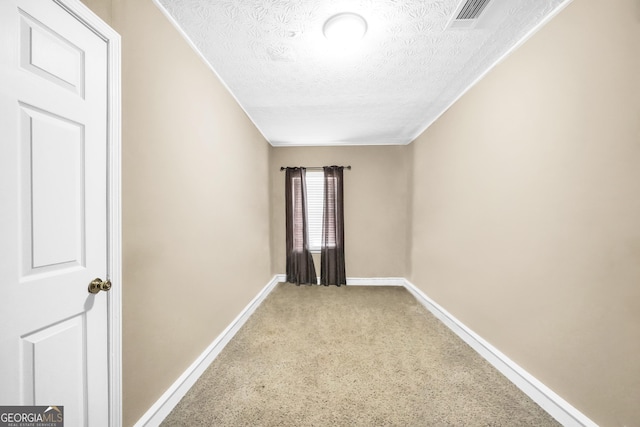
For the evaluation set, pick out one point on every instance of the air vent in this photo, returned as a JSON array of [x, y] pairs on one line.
[[472, 9], [467, 14]]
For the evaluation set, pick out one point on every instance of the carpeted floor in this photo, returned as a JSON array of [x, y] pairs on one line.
[[351, 356]]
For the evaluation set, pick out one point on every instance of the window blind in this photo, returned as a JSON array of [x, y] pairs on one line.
[[315, 203]]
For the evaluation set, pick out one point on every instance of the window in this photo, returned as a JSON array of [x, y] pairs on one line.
[[315, 203], [320, 230], [298, 244]]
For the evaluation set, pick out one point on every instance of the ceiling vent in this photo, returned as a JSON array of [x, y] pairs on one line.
[[467, 13]]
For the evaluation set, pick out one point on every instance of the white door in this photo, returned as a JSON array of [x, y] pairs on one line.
[[53, 211]]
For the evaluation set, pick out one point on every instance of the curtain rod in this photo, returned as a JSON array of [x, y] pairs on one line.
[[316, 167]]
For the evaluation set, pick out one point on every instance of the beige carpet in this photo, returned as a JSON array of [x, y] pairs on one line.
[[351, 356]]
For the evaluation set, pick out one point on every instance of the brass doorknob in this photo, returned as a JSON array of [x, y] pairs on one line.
[[98, 285]]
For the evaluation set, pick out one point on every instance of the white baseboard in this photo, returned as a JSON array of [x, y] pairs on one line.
[[368, 281], [557, 407], [375, 281], [163, 406]]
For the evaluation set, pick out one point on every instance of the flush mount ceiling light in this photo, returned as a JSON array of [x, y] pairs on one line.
[[345, 27]]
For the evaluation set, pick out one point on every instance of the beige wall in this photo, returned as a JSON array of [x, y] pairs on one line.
[[527, 208], [195, 204], [377, 214]]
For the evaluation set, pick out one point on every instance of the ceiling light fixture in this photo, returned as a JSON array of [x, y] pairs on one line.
[[345, 27]]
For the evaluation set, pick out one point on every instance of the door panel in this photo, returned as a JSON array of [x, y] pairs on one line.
[[53, 177], [46, 53], [49, 373], [53, 215]]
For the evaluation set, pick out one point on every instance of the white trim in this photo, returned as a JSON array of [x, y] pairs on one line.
[[366, 281], [163, 406], [375, 281], [557, 407], [114, 234]]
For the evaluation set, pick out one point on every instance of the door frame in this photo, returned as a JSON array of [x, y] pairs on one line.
[[114, 217]]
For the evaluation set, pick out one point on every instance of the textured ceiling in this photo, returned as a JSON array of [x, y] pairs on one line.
[[300, 89]]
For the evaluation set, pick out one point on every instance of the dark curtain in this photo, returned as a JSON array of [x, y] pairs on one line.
[[300, 268], [332, 271]]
